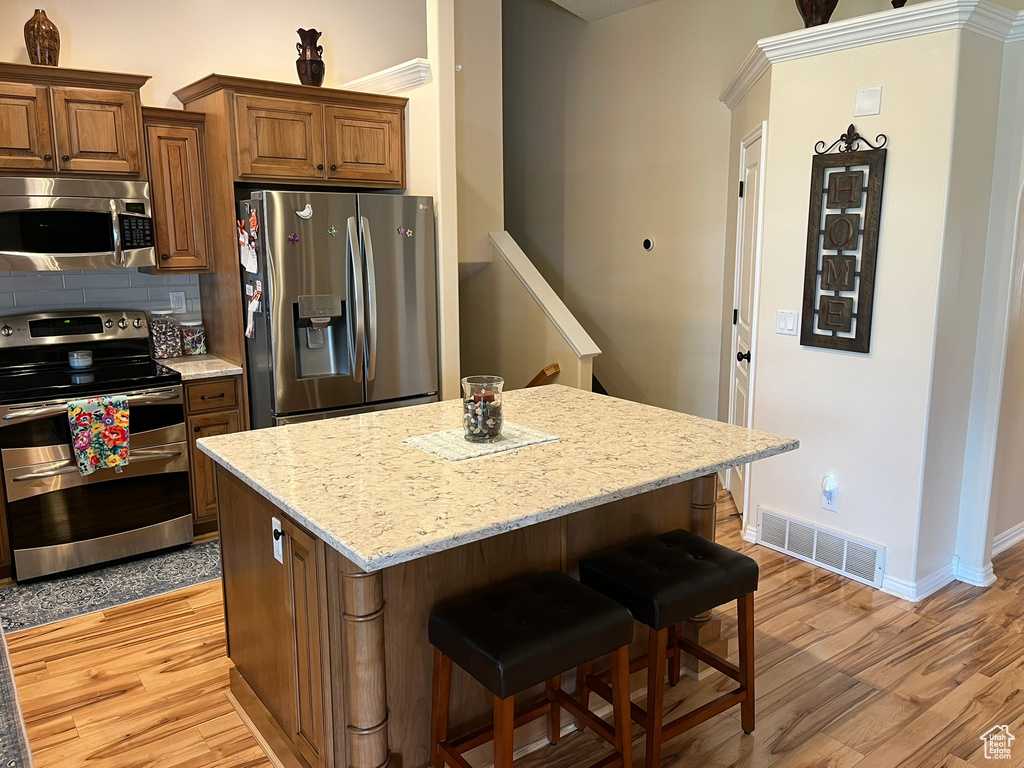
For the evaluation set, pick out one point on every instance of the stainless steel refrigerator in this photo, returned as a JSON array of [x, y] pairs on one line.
[[340, 292]]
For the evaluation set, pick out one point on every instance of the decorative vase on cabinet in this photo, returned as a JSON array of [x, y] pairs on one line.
[[310, 63], [816, 12], [42, 39]]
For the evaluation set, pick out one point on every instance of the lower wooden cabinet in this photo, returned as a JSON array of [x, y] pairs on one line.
[[201, 422]]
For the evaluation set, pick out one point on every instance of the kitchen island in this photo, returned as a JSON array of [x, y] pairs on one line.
[[329, 637]]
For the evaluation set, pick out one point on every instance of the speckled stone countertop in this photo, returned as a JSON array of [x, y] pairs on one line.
[[194, 367], [380, 502]]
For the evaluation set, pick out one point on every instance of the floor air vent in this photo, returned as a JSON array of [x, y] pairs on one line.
[[857, 559]]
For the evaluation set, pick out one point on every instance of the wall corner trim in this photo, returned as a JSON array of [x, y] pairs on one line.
[[969, 574], [916, 591], [400, 77], [983, 17]]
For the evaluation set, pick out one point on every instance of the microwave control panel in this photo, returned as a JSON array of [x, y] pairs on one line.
[[136, 232]]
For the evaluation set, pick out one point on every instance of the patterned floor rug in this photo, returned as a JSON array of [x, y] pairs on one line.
[[24, 606]]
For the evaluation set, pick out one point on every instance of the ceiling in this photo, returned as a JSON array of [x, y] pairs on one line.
[[592, 10]]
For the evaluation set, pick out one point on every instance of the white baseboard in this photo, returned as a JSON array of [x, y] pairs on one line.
[[1008, 539], [969, 574], [916, 591], [750, 533]]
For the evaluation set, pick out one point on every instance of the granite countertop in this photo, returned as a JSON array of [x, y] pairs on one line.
[[193, 367], [381, 502]]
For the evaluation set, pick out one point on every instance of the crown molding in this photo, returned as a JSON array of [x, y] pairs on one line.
[[755, 65], [982, 17], [400, 77]]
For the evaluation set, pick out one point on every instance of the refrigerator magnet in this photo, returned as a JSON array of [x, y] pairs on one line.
[[293, 238], [332, 231], [305, 213]]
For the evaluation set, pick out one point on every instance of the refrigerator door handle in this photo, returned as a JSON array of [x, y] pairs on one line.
[[356, 314], [371, 282]]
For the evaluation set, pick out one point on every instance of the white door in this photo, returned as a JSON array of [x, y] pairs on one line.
[[744, 335]]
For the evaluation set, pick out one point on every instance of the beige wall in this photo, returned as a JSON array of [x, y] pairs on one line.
[[181, 42], [614, 132], [478, 126]]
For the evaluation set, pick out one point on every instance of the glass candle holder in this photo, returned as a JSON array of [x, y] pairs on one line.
[[481, 408]]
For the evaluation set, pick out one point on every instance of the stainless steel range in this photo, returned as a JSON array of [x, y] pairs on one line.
[[57, 519]]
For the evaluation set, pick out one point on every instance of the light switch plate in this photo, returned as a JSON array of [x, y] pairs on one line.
[[786, 322], [275, 526], [869, 102]]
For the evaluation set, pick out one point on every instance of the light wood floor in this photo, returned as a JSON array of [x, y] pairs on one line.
[[846, 676]]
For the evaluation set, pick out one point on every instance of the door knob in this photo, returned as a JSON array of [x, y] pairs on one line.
[[65, 158], [741, 356], [278, 534]]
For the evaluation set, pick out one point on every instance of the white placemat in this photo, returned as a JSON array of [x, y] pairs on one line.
[[452, 445]]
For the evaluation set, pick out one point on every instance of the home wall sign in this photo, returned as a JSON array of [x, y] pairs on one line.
[[842, 242]]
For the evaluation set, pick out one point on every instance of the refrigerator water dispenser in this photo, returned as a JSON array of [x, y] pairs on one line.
[[321, 337]]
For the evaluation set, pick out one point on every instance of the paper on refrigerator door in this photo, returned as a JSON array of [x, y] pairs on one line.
[[246, 252]]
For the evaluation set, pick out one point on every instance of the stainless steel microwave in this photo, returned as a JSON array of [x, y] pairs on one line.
[[61, 224]]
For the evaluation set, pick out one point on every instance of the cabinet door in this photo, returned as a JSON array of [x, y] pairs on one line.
[[177, 177], [96, 131], [366, 145], [25, 139], [279, 138], [204, 479], [304, 581]]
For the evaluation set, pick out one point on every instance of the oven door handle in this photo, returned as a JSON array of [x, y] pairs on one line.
[[143, 398], [70, 466]]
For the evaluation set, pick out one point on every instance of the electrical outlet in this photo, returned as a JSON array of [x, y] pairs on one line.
[[178, 301], [830, 494], [278, 535]]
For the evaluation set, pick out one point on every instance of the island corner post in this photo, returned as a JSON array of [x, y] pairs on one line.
[[356, 692]]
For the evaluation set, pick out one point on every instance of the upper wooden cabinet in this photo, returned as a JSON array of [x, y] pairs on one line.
[[69, 121], [96, 130], [175, 146], [367, 145], [279, 138], [277, 131], [26, 142]]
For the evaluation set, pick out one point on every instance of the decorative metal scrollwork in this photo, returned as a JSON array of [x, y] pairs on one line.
[[850, 142]]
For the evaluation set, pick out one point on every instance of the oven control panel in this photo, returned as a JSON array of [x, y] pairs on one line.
[[67, 327], [136, 232]]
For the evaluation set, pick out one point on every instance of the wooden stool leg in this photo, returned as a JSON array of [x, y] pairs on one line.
[[674, 656], [656, 653], [439, 706], [504, 730], [555, 713], [745, 620], [582, 690], [620, 705]]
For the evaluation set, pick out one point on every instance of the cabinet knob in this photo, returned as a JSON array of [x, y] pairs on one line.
[[65, 158], [334, 167], [165, 257], [320, 167], [47, 158], [197, 429]]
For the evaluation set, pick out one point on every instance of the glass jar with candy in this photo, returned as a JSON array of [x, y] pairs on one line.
[[481, 408]]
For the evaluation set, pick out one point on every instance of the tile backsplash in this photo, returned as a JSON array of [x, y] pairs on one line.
[[26, 292]]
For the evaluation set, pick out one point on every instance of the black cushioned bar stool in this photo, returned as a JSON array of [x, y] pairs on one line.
[[518, 635], [663, 581]]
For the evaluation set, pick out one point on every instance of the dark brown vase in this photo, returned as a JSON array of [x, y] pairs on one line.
[[898, 3], [310, 64], [42, 39], [816, 12]]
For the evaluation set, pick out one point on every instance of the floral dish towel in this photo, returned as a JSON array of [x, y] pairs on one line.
[[99, 433]]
